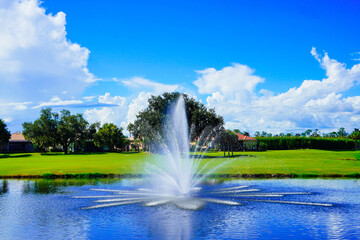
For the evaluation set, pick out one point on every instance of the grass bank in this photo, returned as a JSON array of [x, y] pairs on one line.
[[285, 163]]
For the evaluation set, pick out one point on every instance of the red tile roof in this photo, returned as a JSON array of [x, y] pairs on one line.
[[245, 138]]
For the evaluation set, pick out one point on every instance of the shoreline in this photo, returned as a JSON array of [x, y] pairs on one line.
[[129, 175]]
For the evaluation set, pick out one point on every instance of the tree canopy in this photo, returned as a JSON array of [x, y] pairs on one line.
[[4, 133], [52, 129], [109, 135], [71, 129], [43, 131], [149, 122]]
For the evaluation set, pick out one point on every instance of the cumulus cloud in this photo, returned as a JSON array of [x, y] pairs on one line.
[[237, 81], [136, 105], [314, 104], [118, 100], [106, 115], [122, 112], [37, 60], [114, 113]]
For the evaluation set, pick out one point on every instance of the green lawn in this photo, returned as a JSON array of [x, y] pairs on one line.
[[318, 162]]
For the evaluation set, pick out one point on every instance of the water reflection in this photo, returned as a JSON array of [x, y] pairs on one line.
[[4, 188], [168, 222], [44, 209], [48, 186]]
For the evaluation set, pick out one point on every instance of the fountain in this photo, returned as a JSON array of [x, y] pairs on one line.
[[177, 172], [176, 177]]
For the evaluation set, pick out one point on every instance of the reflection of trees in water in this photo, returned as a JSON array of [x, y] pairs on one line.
[[167, 222], [40, 187], [170, 222], [4, 187], [49, 186]]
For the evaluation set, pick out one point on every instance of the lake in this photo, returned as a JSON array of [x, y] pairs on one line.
[[46, 209]]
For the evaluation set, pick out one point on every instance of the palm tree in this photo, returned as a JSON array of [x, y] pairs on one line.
[[308, 132], [355, 135]]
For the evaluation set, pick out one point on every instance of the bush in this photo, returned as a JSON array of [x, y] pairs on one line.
[[288, 143], [262, 146]]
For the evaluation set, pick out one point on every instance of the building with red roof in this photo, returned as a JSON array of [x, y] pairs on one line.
[[244, 137], [246, 142]]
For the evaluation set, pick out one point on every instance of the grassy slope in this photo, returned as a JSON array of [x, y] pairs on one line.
[[283, 162]]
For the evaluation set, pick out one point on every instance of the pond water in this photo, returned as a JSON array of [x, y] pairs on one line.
[[46, 209]]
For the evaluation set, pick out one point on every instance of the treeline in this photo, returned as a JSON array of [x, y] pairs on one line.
[[311, 139], [340, 133], [61, 131], [289, 143]]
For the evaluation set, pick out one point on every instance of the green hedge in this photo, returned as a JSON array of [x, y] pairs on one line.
[[287, 143]]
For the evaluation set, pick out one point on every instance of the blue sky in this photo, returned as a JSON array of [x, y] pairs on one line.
[[242, 58]]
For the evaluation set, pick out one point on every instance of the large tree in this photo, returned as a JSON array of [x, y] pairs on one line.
[[43, 131], [109, 135], [71, 129], [52, 129], [4, 133], [149, 122], [227, 140]]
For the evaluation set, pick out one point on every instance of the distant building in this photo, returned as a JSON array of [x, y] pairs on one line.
[[244, 143], [18, 143], [247, 142], [134, 144]]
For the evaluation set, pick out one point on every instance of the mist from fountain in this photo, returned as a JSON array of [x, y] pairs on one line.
[[175, 171]]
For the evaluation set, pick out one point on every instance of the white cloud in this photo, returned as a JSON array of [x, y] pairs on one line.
[[57, 102], [8, 120], [237, 81], [20, 107], [314, 104], [124, 110], [127, 108], [122, 113], [136, 105], [10, 110], [118, 100], [155, 87], [105, 115], [16, 106], [37, 60], [89, 98], [113, 114]]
